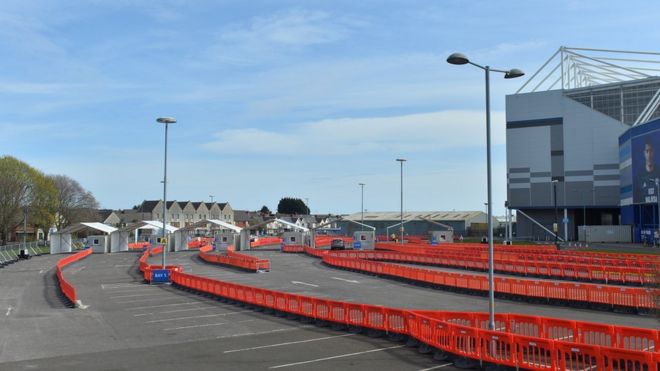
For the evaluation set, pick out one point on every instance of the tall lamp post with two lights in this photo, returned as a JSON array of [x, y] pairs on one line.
[[460, 59], [167, 121]]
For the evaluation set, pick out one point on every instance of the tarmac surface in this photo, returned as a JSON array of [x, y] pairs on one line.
[[305, 275], [124, 324]]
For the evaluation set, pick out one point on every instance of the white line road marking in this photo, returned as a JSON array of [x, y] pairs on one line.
[[345, 280], [194, 326], [121, 285], [163, 297], [41, 271], [163, 305], [286, 329], [134, 295], [123, 265], [339, 356], [288, 343], [195, 317], [79, 304], [304, 283], [8, 311], [175, 311], [433, 368]]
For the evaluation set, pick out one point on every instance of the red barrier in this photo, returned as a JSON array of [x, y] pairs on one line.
[[67, 289], [265, 241], [235, 259], [138, 245], [293, 248]]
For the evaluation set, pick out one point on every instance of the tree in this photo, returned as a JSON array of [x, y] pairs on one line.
[[23, 188], [265, 210], [288, 205], [74, 203]]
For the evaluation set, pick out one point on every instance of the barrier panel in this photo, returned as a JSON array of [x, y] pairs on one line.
[[265, 241], [234, 259], [67, 289], [138, 245], [293, 248]]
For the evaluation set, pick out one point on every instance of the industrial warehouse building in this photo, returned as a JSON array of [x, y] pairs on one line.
[[465, 223], [562, 133]]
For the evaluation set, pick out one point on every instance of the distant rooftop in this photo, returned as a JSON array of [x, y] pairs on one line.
[[432, 215]]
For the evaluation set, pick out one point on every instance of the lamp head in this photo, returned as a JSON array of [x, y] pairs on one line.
[[513, 73], [458, 58], [166, 120]]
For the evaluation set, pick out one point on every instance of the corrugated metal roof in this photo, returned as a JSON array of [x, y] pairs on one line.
[[432, 215]]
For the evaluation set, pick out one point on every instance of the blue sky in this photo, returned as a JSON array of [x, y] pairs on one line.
[[281, 98]]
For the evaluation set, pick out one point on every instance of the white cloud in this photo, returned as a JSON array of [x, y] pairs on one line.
[[347, 136], [265, 37]]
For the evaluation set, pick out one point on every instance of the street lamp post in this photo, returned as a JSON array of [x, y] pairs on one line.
[[460, 59], [556, 226], [167, 121], [401, 161], [362, 206]]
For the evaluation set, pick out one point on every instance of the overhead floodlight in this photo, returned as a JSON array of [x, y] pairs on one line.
[[166, 120]]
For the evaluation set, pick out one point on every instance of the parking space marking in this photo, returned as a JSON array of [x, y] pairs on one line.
[[288, 343], [304, 283], [175, 311], [277, 330], [163, 305], [163, 297], [435, 367], [8, 311], [336, 357], [195, 326], [134, 295], [344, 279], [195, 317]]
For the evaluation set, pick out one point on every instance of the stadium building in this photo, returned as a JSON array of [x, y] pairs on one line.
[[575, 129]]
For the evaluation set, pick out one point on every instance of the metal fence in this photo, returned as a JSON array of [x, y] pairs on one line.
[[10, 253]]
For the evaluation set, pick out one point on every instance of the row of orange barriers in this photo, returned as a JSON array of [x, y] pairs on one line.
[[67, 289], [138, 245], [265, 241], [234, 259], [293, 248], [566, 271], [531, 254], [521, 341], [640, 299]]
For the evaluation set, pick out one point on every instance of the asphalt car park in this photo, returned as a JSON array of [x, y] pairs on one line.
[[123, 323]]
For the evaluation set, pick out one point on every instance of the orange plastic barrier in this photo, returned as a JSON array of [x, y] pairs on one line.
[[326, 240], [265, 241], [640, 299], [67, 289], [582, 269], [530, 342], [533, 251], [235, 259], [138, 245], [293, 248]]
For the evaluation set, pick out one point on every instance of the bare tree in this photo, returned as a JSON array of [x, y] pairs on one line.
[[74, 203]]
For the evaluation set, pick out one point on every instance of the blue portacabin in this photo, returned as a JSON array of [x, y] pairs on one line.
[[160, 276]]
